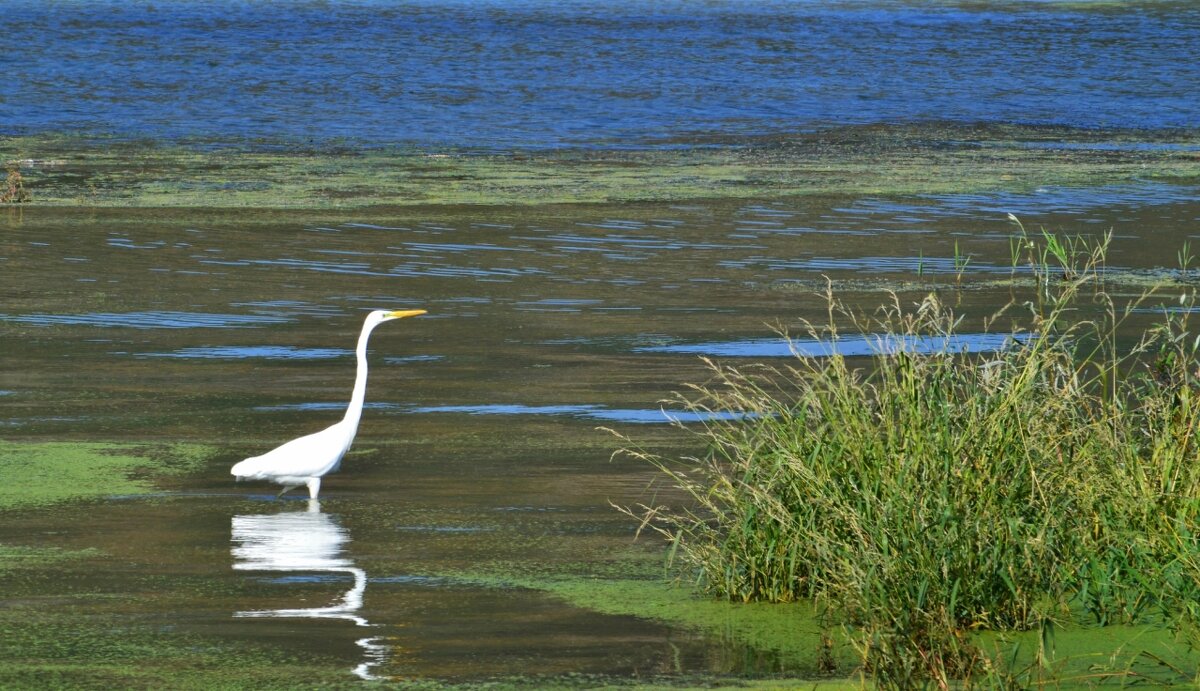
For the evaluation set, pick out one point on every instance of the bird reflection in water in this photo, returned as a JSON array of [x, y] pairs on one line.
[[310, 542]]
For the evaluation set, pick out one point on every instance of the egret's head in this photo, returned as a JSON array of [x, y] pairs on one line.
[[379, 316]]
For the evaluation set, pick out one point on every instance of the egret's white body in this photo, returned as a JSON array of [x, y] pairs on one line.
[[306, 460]]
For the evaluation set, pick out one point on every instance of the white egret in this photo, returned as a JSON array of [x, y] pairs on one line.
[[306, 460]]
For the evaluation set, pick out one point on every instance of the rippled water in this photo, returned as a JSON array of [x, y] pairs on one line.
[[848, 346], [147, 320], [532, 73], [265, 352], [479, 444]]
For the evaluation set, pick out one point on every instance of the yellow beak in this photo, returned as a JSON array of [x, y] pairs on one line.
[[400, 314]]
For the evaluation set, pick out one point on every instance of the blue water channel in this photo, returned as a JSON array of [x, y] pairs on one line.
[[534, 73]]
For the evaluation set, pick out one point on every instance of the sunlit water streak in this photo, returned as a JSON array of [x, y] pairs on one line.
[[243, 352], [917, 266], [579, 412], [848, 346], [274, 352], [589, 412]]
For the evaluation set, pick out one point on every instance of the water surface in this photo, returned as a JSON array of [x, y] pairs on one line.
[[479, 447], [532, 74], [480, 465]]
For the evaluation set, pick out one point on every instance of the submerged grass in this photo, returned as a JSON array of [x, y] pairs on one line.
[[790, 634], [928, 497], [19, 558], [862, 160], [48, 645]]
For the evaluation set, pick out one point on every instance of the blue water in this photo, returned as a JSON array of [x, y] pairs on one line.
[[579, 411], [522, 73], [268, 352], [848, 346]]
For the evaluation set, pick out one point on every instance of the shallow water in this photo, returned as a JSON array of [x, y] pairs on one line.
[[478, 450], [531, 74]]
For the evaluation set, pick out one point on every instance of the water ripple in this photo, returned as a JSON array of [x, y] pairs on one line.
[[588, 412], [548, 74], [148, 320], [245, 352], [579, 412], [848, 346]]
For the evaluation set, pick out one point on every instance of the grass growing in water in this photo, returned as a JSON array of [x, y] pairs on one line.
[[931, 496]]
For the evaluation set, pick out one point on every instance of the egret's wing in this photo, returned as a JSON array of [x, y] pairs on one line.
[[308, 456]]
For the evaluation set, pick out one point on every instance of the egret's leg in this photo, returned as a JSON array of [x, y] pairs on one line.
[[314, 487], [285, 490]]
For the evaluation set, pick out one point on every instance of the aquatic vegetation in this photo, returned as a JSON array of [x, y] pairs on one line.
[[14, 191], [14, 557], [38, 474], [66, 646], [924, 497], [918, 159], [792, 633]]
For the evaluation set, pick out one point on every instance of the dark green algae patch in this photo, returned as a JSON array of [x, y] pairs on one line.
[[872, 160]]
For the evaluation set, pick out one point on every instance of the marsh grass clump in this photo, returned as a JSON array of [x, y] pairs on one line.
[[933, 493], [14, 191]]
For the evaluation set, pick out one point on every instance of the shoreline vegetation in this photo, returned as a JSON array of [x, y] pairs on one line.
[[933, 504], [85, 171]]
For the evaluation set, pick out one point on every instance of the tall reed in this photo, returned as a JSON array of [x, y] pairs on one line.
[[933, 492]]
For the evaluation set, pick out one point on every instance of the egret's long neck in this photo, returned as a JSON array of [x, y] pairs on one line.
[[354, 410]]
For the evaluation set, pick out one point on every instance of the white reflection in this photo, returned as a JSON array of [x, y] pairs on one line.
[[309, 542]]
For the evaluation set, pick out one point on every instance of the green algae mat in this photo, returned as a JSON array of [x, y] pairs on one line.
[[864, 160], [37, 474]]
